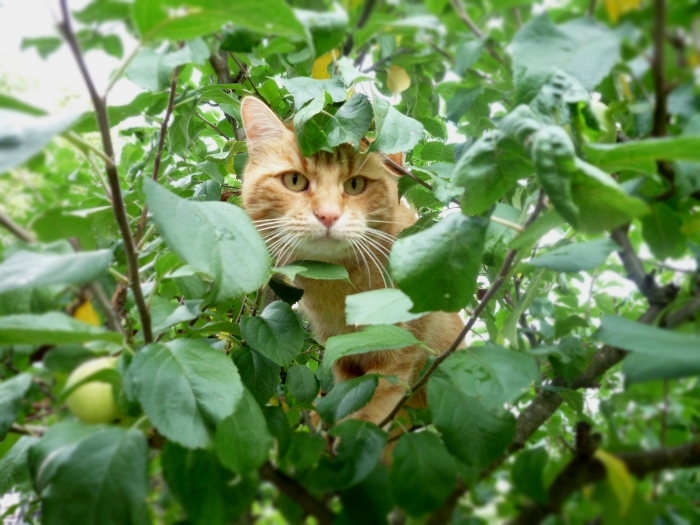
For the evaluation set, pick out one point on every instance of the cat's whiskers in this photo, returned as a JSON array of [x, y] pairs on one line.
[[368, 250], [354, 242], [293, 242], [383, 250]]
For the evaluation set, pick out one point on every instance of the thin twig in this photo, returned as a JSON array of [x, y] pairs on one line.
[[495, 286], [112, 176], [16, 230], [212, 126], [464, 16], [159, 150], [379, 63], [658, 69]]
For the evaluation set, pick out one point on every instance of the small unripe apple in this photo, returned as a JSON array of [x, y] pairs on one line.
[[94, 401]]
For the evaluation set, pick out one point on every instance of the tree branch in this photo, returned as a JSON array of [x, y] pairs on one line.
[[297, 493], [546, 402], [585, 469], [112, 176], [462, 13], [495, 286], [635, 269], [16, 230], [361, 21], [219, 63]]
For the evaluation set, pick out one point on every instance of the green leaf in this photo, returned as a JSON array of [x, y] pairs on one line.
[[304, 89], [23, 136], [437, 267], [576, 257], [45, 45], [327, 28], [370, 339], [24, 269], [383, 306], [302, 384], [13, 464], [376, 500], [346, 397], [54, 448], [288, 293], [488, 169], [527, 474], [582, 48], [102, 11], [640, 155], [350, 123], [314, 270], [165, 314], [396, 132], [649, 340], [143, 102], [656, 353], [662, 231], [275, 333], [202, 384], [467, 54], [638, 368], [50, 328], [493, 374], [151, 70], [554, 158], [102, 481], [242, 442], [423, 474], [260, 376], [603, 205], [12, 393], [359, 450], [206, 16], [304, 451], [589, 199], [470, 432], [216, 238], [208, 492], [8, 102]]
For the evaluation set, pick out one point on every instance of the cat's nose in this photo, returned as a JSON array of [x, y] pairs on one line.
[[327, 217]]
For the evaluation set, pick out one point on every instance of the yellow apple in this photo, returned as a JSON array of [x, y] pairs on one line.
[[94, 401]]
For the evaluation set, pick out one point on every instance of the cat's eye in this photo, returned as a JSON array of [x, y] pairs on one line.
[[355, 185], [295, 181]]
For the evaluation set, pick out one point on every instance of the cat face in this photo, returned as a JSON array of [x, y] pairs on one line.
[[327, 207]]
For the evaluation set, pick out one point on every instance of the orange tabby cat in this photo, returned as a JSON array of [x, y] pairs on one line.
[[342, 208]]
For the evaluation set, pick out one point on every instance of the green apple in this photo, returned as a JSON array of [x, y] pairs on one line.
[[94, 401], [607, 124]]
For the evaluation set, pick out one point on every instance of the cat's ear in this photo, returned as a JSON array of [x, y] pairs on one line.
[[260, 122]]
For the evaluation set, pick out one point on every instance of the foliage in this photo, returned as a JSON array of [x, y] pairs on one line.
[[566, 147]]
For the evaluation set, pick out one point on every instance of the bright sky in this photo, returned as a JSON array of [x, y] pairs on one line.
[[53, 84]]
